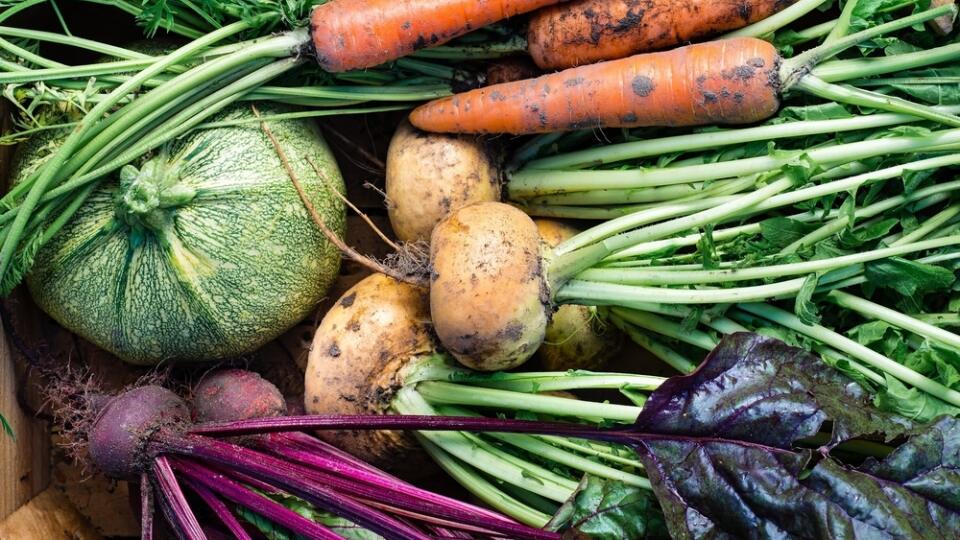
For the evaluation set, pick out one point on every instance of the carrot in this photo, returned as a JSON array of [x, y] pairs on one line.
[[730, 81], [356, 34], [588, 31]]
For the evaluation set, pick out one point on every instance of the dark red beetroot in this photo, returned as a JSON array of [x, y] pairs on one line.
[[236, 394], [124, 427]]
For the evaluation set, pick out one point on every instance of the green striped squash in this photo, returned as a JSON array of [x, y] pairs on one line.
[[202, 252]]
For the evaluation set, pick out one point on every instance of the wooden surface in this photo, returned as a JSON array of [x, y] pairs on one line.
[[48, 516], [24, 460]]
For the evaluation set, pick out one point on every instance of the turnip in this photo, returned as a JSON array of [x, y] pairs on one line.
[[429, 175], [145, 433], [374, 353]]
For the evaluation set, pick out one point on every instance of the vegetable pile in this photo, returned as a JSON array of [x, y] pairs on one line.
[[769, 185], [278, 483]]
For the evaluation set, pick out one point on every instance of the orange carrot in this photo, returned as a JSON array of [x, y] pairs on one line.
[[588, 31], [356, 34], [733, 81]]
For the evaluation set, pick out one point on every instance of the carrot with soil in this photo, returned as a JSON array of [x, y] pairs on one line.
[[731, 81], [356, 34], [588, 31]]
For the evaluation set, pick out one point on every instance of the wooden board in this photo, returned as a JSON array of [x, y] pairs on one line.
[[48, 516], [24, 460]]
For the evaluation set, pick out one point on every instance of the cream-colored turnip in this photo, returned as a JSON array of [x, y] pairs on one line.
[[355, 367], [429, 175], [489, 295]]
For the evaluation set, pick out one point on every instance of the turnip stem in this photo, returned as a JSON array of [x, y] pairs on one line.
[[854, 349], [872, 310], [555, 381], [939, 319], [455, 394], [642, 276], [537, 447], [481, 488], [670, 357], [175, 504], [612, 153], [591, 293], [592, 448], [838, 70], [484, 456], [664, 327], [242, 496]]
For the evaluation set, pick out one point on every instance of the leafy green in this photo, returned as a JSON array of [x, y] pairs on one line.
[[912, 403], [603, 509], [910, 279], [783, 231], [272, 531], [723, 448], [803, 304]]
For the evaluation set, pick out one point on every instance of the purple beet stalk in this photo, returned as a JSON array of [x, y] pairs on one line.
[[144, 433]]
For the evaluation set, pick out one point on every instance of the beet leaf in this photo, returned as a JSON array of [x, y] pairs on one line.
[[723, 450], [603, 509]]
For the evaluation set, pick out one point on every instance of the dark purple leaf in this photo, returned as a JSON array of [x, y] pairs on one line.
[[719, 446]]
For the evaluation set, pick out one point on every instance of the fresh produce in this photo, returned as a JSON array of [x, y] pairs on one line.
[[180, 93], [281, 484], [200, 252], [373, 353], [576, 337], [428, 175], [354, 34], [732, 81], [587, 31], [762, 440], [236, 394]]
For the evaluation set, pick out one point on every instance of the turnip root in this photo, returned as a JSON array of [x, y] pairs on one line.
[[575, 338], [489, 295], [356, 362], [429, 175]]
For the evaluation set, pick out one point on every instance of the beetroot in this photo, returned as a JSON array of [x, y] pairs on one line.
[[146, 433], [124, 427], [236, 394]]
